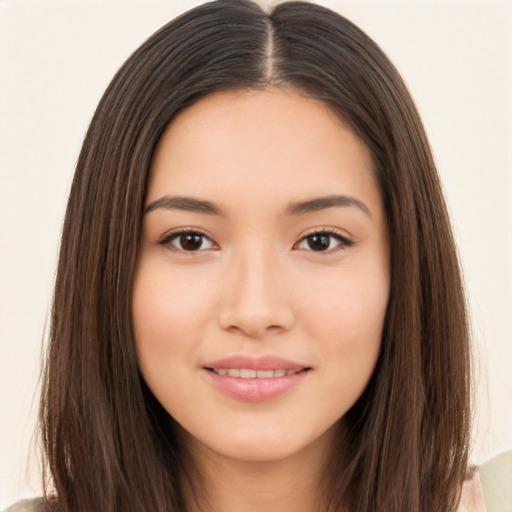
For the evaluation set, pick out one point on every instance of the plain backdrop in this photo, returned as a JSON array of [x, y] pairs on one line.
[[57, 57]]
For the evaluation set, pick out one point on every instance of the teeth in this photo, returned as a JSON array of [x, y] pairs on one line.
[[265, 374], [246, 373]]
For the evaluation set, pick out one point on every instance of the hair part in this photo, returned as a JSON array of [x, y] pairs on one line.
[[404, 444]]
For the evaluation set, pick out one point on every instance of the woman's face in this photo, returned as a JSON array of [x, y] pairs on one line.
[[263, 273]]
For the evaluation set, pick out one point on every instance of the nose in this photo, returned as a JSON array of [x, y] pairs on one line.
[[256, 300]]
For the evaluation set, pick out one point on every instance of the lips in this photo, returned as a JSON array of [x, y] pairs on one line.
[[255, 379], [264, 362], [248, 373]]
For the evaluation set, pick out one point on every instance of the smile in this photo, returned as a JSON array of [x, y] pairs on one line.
[[255, 379], [248, 373]]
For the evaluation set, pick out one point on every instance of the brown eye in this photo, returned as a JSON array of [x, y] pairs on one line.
[[319, 242], [188, 241], [324, 241], [191, 242]]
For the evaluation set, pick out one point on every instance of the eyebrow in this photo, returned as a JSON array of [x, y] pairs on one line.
[[188, 204], [322, 203], [191, 204]]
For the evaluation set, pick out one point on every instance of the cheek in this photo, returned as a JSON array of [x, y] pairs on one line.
[[171, 312], [165, 304], [346, 317]]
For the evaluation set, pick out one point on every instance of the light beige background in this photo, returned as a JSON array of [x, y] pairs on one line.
[[57, 57]]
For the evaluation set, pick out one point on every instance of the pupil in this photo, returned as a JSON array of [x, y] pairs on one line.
[[190, 242], [318, 242]]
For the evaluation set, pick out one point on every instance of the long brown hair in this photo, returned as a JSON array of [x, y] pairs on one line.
[[108, 443]]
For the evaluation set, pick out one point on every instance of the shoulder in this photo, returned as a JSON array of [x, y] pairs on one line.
[[31, 505], [488, 488], [496, 476], [472, 499]]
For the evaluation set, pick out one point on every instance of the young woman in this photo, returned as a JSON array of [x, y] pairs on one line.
[[258, 302]]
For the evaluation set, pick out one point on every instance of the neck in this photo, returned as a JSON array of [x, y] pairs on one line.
[[295, 483]]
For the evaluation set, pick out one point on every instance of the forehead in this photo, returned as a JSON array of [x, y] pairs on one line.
[[260, 145]]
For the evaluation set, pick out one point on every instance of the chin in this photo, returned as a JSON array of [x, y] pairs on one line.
[[266, 445]]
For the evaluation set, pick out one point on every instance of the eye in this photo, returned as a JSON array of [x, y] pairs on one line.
[[188, 241], [323, 241]]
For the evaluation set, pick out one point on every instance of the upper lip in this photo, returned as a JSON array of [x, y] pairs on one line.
[[264, 362]]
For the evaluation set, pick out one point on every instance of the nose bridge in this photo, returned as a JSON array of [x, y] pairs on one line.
[[255, 301], [255, 277]]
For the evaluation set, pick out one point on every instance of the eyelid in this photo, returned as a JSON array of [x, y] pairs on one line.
[[166, 239], [329, 231], [342, 238]]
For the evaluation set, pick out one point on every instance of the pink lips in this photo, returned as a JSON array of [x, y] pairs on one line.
[[248, 386]]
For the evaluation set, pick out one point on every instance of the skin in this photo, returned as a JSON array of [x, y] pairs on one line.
[[256, 285]]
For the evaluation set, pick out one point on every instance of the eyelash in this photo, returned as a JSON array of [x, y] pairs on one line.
[[169, 237], [343, 241]]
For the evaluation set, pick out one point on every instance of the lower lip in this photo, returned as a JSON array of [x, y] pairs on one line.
[[255, 390]]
